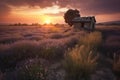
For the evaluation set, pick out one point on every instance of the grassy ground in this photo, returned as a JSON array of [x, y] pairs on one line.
[[111, 37], [41, 53]]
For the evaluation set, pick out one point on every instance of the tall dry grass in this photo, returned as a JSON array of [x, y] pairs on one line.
[[94, 40], [81, 61]]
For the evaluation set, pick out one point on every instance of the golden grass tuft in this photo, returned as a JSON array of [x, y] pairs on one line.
[[80, 62], [93, 39]]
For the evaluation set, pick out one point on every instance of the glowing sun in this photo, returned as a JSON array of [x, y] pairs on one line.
[[47, 21]]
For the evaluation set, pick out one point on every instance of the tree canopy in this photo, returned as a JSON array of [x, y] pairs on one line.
[[70, 15]]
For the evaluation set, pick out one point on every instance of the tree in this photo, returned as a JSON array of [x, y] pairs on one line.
[[70, 15]]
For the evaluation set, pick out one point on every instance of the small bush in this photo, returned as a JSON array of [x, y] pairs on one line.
[[79, 63], [30, 69], [32, 72]]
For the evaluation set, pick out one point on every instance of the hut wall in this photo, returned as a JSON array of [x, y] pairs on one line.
[[77, 25]]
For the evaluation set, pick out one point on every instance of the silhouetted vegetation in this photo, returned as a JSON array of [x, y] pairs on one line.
[[70, 15]]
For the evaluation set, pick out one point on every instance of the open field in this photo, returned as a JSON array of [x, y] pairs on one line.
[[26, 48], [111, 37]]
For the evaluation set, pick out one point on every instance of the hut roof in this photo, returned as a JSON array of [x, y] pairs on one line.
[[83, 19]]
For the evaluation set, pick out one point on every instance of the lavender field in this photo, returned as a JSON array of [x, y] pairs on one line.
[[27, 51], [36, 38]]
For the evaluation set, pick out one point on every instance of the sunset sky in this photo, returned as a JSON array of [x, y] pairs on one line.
[[43, 11]]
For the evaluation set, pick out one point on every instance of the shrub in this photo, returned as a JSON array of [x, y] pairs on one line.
[[79, 63], [32, 71]]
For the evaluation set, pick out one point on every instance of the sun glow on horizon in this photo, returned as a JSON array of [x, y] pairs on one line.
[[47, 21], [52, 14]]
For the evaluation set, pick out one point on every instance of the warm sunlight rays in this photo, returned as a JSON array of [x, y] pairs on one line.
[[47, 21], [36, 14]]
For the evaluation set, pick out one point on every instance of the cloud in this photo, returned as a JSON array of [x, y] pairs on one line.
[[93, 6], [4, 11], [86, 7], [58, 14], [41, 3], [5, 5]]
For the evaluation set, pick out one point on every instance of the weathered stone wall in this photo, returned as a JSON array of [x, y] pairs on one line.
[[77, 26]]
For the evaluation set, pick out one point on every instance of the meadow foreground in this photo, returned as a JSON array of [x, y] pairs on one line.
[[58, 52]]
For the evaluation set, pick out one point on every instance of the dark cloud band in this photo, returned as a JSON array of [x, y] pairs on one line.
[[86, 6]]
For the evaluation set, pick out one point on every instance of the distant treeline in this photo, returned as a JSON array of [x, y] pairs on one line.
[[20, 24], [25, 24]]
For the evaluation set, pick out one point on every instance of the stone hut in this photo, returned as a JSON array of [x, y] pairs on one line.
[[87, 23]]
